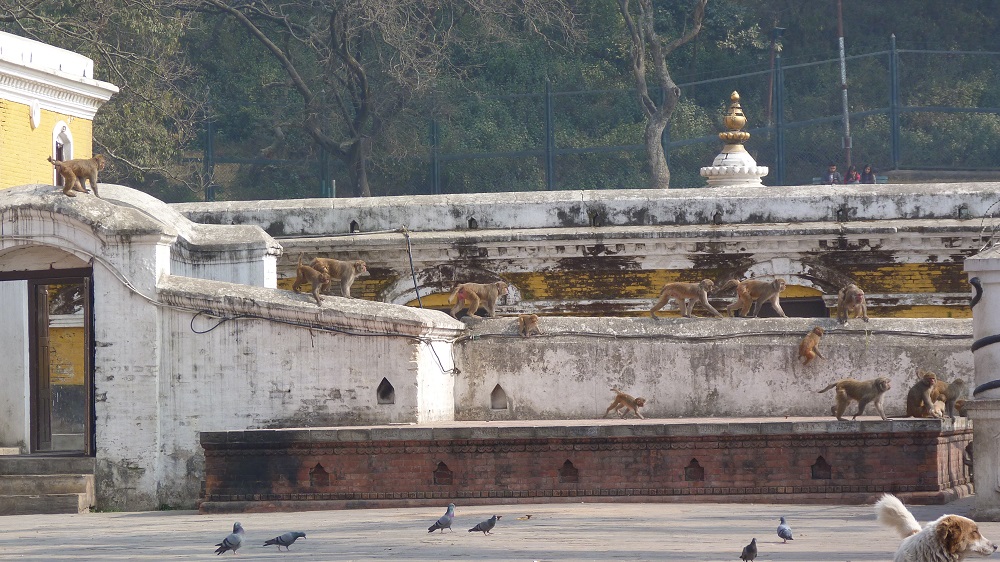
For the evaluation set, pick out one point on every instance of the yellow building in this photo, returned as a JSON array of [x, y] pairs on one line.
[[48, 98]]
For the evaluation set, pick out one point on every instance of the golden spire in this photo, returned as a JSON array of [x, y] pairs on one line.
[[734, 121]]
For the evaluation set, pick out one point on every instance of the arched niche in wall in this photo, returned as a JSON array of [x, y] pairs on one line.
[[498, 398], [385, 393]]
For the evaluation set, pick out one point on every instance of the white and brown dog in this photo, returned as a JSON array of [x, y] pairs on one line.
[[949, 538]]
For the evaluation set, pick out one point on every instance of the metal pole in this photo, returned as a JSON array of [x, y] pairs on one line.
[[208, 160], [894, 102], [435, 159], [843, 84], [775, 35], [550, 139], [779, 121]]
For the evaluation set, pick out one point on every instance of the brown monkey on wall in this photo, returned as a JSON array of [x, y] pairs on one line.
[[809, 347], [755, 292], [949, 393], [919, 402], [307, 274], [626, 401], [346, 271], [686, 294], [864, 392], [960, 407], [851, 299], [527, 325], [474, 295], [75, 173]]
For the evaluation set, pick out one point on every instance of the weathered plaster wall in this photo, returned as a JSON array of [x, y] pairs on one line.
[[608, 253], [696, 368], [14, 366], [273, 359], [621, 207]]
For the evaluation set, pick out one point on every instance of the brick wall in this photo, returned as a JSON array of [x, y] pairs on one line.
[[739, 461]]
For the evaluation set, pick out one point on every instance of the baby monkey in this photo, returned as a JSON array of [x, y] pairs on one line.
[[306, 274], [809, 348], [623, 400], [527, 325]]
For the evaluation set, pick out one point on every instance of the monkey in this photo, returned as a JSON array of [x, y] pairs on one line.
[[623, 400], [918, 400], [308, 274], [346, 271], [475, 294], [686, 294], [75, 173], [755, 292], [948, 393], [528, 324], [862, 391], [851, 299], [809, 348], [960, 407]]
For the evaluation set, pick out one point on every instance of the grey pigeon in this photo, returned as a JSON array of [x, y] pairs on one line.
[[445, 521], [233, 541], [749, 551], [784, 531], [486, 526], [285, 539]]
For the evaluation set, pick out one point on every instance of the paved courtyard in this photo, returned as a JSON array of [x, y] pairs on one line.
[[564, 531]]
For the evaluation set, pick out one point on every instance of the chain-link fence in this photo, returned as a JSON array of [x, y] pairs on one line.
[[902, 117]]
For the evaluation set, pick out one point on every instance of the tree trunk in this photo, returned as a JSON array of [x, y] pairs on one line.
[[358, 154], [659, 172]]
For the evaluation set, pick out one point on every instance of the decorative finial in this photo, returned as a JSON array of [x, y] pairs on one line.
[[734, 121]]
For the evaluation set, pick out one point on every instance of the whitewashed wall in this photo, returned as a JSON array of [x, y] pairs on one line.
[[697, 367], [14, 365]]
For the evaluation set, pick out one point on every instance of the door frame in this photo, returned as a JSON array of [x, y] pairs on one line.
[[84, 275]]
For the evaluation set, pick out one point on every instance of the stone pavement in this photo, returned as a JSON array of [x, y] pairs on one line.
[[566, 531]]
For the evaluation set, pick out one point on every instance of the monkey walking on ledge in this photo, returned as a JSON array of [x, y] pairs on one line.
[[75, 173]]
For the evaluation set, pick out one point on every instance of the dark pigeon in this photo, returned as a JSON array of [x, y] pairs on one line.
[[486, 526], [445, 521], [749, 551], [285, 539], [233, 541], [784, 531]]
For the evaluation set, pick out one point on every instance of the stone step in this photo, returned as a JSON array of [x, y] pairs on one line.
[[47, 503], [46, 484], [31, 464], [10, 451]]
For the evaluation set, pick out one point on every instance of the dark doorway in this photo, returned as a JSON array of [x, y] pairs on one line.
[[60, 322], [804, 307]]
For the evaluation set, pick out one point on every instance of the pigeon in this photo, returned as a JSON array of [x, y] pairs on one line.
[[285, 539], [784, 531], [233, 541], [749, 551], [486, 526], [445, 521]]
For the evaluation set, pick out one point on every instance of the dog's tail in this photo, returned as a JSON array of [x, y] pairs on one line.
[[892, 513]]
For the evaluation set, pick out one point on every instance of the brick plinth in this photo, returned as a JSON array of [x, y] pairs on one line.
[[800, 461]]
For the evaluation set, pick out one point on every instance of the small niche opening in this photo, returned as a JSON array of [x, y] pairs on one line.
[[498, 398], [694, 472], [442, 475], [822, 470], [318, 476], [473, 223], [568, 474], [717, 217], [386, 393], [355, 227]]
